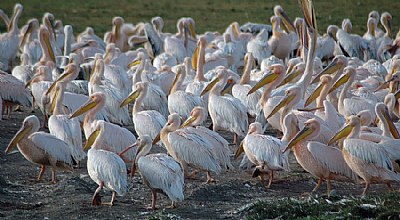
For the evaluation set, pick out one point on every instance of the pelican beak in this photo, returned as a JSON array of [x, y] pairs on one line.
[[235, 31], [239, 151], [314, 95], [91, 139], [330, 69], [84, 108], [135, 62], [209, 86], [228, 87], [284, 102], [309, 14], [52, 27], [288, 23], [177, 76], [33, 79], [293, 73], [18, 137], [392, 127], [299, 136], [156, 139], [267, 78], [132, 97], [27, 32], [310, 109], [53, 85], [342, 80], [53, 103], [195, 56], [107, 55], [192, 31], [389, 23], [189, 121], [341, 134]]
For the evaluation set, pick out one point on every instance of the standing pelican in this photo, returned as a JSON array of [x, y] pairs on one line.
[[146, 122], [111, 137], [320, 160], [106, 168], [368, 159], [160, 172], [280, 42], [227, 113], [41, 148]]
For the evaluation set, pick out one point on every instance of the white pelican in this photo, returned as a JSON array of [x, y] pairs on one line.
[[62, 127], [111, 137], [24, 71], [146, 122], [117, 36], [369, 160], [182, 102], [227, 113], [265, 152], [5, 18], [30, 43], [48, 58], [289, 27], [13, 91], [259, 46], [374, 14], [160, 172], [114, 95], [41, 148], [107, 169], [88, 35], [320, 160], [280, 42], [188, 148], [9, 41], [198, 62], [219, 145], [386, 39]]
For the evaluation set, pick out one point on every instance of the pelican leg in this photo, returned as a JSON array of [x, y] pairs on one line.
[[318, 185], [96, 197], [235, 138], [389, 185], [173, 205], [365, 189], [153, 200], [209, 178], [271, 177], [111, 203], [328, 186], [42, 170], [53, 176]]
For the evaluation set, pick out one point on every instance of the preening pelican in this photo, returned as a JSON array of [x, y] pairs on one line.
[[227, 113], [188, 148], [265, 152], [111, 137], [160, 172], [41, 148], [182, 102], [367, 159], [146, 122], [322, 161], [107, 169]]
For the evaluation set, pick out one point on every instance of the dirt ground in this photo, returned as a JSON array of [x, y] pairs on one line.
[[22, 197]]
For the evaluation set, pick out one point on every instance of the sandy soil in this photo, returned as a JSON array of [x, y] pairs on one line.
[[21, 196]]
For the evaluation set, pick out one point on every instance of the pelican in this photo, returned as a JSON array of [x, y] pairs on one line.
[[48, 58], [265, 152], [188, 148], [160, 172], [367, 159], [5, 18], [182, 102], [280, 42], [198, 62], [219, 145], [146, 122], [322, 161], [227, 113], [24, 71], [106, 168], [30, 44], [9, 41], [64, 128], [117, 35], [259, 47], [41, 148]]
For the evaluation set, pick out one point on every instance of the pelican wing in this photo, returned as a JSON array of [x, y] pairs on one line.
[[14, 90], [354, 105], [392, 147], [331, 158], [148, 122], [250, 101], [163, 172], [154, 39]]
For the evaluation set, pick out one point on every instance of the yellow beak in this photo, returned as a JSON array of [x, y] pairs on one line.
[[330, 69], [268, 78], [178, 74], [135, 62], [92, 138], [53, 103], [290, 76], [341, 134], [53, 85], [228, 88], [239, 151], [209, 86], [392, 127], [18, 137], [84, 108], [288, 23], [284, 102], [132, 97], [189, 121], [342, 80], [314, 95], [195, 56], [299, 136]]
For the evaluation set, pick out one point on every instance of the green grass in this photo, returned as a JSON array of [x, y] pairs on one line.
[[209, 15], [385, 206]]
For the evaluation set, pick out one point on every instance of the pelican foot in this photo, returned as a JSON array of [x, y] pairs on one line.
[[96, 199]]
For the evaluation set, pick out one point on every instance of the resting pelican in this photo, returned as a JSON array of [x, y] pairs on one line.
[[219, 145], [320, 160], [146, 122], [227, 113], [367, 159], [41, 148], [111, 137], [265, 152], [30, 43], [280, 42], [198, 62], [48, 58], [107, 169], [62, 127], [117, 35], [9, 41], [259, 47], [188, 148], [160, 172], [182, 102]]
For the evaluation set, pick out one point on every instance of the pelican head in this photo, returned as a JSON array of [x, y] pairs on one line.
[[386, 21], [349, 73], [173, 123], [70, 73], [310, 130], [294, 72], [374, 14], [179, 77], [275, 74], [143, 145], [338, 62], [221, 76], [140, 57], [30, 125], [353, 121], [44, 36], [290, 124], [97, 99], [365, 117], [201, 43], [347, 25], [292, 96], [158, 23], [32, 25], [48, 21], [288, 24], [198, 116], [140, 87], [42, 73], [17, 12], [332, 30], [383, 112], [324, 81]]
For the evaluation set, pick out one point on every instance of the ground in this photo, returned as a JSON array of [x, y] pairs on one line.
[[21, 196]]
